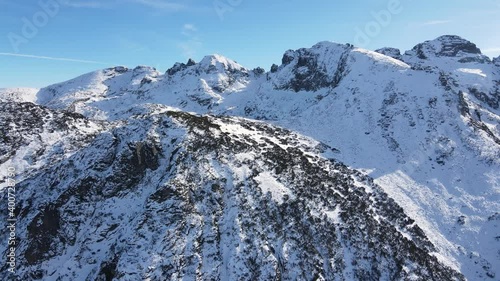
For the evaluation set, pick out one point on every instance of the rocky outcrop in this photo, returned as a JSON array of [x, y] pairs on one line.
[[391, 52], [496, 61], [180, 66], [320, 67], [449, 46]]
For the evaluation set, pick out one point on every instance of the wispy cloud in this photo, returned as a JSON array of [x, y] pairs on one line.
[[155, 4], [435, 22], [89, 4], [192, 44], [51, 58], [189, 27], [160, 4]]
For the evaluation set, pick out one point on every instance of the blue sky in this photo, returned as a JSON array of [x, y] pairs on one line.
[[78, 36]]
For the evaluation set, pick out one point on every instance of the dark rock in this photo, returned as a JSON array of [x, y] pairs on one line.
[[146, 80], [492, 100], [259, 71], [461, 220], [496, 61], [288, 57], [176, 68], [449, 46], [142, 68], [120, 69], [390, 52], [494, 217], [42, 233], [308, 70], [479, 59]]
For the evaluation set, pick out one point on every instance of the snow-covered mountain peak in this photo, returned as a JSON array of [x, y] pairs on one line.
[[78, 88], [319, 52], [448, 46], [377, 60], [144, 68], [220, 63], [452, 45], [95, 84], [325, 64], [310, 69]]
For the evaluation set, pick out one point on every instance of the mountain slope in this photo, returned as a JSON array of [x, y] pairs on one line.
[[192, 197]]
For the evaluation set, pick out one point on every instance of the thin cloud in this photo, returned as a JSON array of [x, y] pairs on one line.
[[192, 44], [155, 4], [189, 30], [51, 58], [435, 22], [89, 4], [190, 27], [159, 4], [190, 48]]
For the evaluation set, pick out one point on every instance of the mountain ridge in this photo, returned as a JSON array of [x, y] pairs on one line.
[[424, 125]]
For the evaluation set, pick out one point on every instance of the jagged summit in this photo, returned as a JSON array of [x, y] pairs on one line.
[[209, 64], [452, 45], [390, 52], [220, 62], [310, 69], [178, 66], [496, 61], [448, 46]]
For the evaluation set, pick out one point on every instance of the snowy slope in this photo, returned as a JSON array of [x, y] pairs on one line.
[[18, 94], [186, 197], [424, 124]]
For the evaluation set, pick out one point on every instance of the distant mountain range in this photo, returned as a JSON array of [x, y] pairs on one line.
[[339, 164]]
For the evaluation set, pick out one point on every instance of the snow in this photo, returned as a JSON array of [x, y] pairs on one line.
[[268, 183], [476, 71]]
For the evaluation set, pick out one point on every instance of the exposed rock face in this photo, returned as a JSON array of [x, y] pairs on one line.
[[449, 46], [322, 66], [391, 52], [180, 66], [195, 199], [496, 61], [274, 68], [120, 69], [259, 71]]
